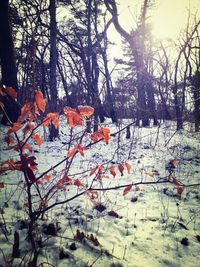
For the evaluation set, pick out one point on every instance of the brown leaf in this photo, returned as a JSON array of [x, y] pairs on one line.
[[127, 189]]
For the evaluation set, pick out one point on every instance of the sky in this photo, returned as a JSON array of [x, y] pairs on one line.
[[167, 16]]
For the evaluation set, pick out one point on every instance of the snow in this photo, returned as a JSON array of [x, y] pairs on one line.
[[151, 223]]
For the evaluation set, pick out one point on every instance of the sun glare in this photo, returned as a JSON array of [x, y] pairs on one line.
[[170, 17]]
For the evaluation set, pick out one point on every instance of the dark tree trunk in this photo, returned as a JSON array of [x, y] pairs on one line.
[[53, 62], [196, 96], [8, 65], [7, 56], [151, 102]]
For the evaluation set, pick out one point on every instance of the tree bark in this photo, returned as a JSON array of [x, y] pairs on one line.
[[7, 56], [8, 65], [53, 62]]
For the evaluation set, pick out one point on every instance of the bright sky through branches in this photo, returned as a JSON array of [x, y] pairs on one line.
[[167, 17]]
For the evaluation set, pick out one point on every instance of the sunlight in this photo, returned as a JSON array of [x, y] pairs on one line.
[[169, 17]]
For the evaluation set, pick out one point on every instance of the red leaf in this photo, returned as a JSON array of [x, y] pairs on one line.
[[112, 213], [9, 140], [15, 127], [11, 92], [28, 147], [39, 102], [121, 169], [94, 240], [37, 139], [112, 171], [79, 236], [93, 170], [2, 185], [96, 136], [128, 167], [180, 190], [78, 183], [86, 111], [127, 189], [25, 111], [47, 177], [100, 172], [29, 127], [39, 182]]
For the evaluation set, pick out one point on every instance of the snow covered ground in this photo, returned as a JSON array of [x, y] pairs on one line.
[[147, 227]]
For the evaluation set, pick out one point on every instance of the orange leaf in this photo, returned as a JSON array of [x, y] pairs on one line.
[[92, 194], [106, 134], [26, 108], [71, 152], [179, 186], [128, 167], [103, 133], [25, 112], [112, 171], [174, 162], [37, 138], [150, 174], [47, 177], [74, 119], [77, 148], [80, 149], [40, 102], [15, 127], [121, 169], [86, 111], [51, 117], [11, 92], [127, 189]]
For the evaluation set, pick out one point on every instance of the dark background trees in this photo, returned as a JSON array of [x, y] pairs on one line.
[[63, 48]]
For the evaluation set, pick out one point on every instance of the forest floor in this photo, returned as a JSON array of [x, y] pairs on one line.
[[150, 226]]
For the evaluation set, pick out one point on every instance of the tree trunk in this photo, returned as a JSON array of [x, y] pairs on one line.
[[8, 65], [7, 56], [53, 62], [196, 96]]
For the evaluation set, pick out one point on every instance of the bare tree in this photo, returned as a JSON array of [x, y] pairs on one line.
[[137, 46]]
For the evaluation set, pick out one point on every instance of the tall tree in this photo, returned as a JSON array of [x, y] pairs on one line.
[[7, 60], [53, 63], [137, 45]]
